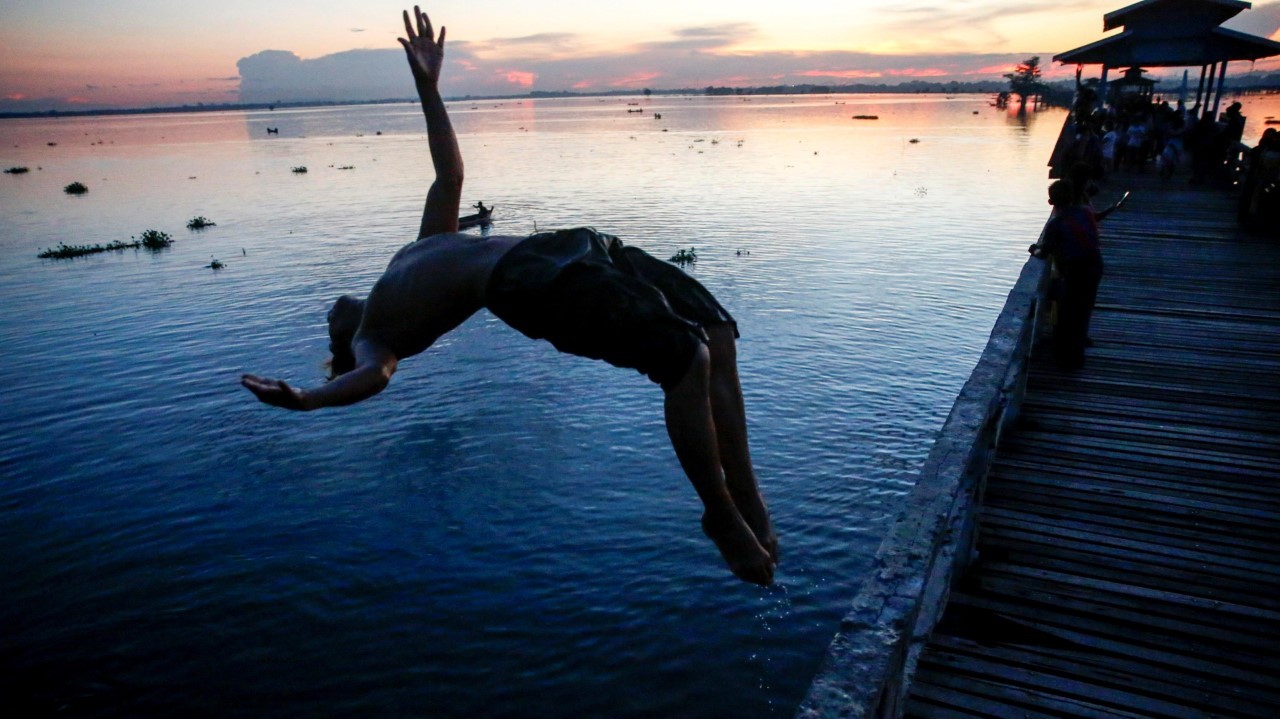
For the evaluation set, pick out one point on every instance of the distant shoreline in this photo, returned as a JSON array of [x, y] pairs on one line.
[[909, 88], [1062, 88]]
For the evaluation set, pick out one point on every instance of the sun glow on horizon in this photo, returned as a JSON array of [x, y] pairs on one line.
[[150, 54]]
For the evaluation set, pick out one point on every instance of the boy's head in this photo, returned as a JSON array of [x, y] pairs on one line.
[[344, 320]]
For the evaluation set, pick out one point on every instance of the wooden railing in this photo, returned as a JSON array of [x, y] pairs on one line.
[[868, 667]]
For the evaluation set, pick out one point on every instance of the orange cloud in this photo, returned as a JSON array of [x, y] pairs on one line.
[[15, 96]]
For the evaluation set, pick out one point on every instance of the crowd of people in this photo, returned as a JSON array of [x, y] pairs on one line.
[[1132, 139], [1138, 136]]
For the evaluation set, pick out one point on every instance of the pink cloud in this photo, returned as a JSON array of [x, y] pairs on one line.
[[521, 78], [15, 96], [849, 74], [637, 79], [991, 70], [634, 79], [918, 72]]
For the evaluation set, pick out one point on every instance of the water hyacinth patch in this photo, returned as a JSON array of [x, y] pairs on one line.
[[64, 251], [685, 257], [199, 223], [75, 188], [155, 240]]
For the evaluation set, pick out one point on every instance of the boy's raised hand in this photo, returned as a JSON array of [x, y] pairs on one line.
[[426, 54]]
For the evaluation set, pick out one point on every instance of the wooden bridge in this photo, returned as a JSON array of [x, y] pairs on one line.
[[1127, 516]]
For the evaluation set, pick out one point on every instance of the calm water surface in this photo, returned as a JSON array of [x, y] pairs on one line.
[[505, 532]]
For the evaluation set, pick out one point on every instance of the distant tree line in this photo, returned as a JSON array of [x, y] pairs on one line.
[[909, 87], [1053, 93]]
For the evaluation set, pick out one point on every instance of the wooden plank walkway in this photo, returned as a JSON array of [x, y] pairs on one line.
[[1129, 539]]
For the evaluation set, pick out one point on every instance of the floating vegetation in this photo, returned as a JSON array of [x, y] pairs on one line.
[[740, 253], [199, 223], [685, 257], [17, 170], [300, 170], [75, 188], [866, 117], [151, 240], [155, 239], [64, 251], [347, 167], [914, 141], [215, 264]]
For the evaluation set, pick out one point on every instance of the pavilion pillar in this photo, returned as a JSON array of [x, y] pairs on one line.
[[1208, 92], [1222, 76], [1200, 91], [1102, 87]]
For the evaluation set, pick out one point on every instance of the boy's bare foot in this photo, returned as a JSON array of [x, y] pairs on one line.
[[747, 559], [756, 515], [768, 540]]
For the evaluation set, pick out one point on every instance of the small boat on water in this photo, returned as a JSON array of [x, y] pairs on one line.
[[482, 217]]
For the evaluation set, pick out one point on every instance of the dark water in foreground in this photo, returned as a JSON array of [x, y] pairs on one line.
[[505, 531]]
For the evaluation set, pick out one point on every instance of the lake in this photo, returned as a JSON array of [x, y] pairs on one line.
[[505, 531]]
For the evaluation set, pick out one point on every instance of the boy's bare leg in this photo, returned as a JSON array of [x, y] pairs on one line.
[[693, 434], [730, 420]]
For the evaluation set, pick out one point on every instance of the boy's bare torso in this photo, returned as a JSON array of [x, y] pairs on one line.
[[431, 286]]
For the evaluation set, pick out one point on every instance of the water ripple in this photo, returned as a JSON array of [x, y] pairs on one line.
[[506, 531]]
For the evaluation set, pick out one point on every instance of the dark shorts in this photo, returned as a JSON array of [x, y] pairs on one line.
[[589, 295]]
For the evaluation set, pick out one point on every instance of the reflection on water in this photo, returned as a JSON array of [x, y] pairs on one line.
[[505, 531]]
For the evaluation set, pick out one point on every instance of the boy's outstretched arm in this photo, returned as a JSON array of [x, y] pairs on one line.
[[374, 367], [426, 56]]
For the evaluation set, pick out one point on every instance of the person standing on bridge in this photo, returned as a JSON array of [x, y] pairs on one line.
[[1071, 239], [581, 290]]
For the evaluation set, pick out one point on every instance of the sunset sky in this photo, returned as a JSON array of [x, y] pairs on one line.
[[73, 54]]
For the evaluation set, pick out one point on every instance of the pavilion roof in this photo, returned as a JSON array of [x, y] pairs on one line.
[[1205, 13], [1128, 49], [1172, 33]]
